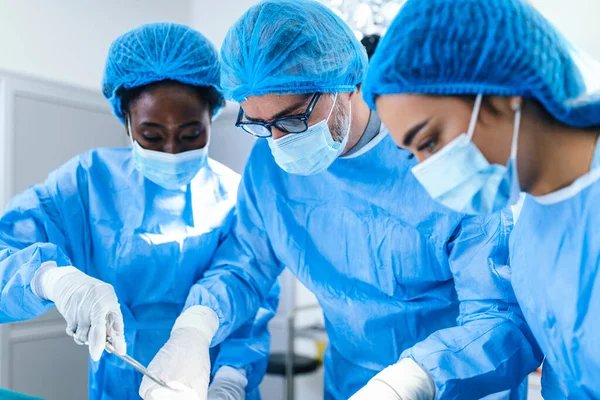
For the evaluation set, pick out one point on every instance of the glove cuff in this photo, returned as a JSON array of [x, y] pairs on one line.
[[408, 380], [233, 375], [200, 318], [45, 278]]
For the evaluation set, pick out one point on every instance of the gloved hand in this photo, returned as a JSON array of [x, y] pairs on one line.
[[405, 380], [185, 357], [89, 306], [228, 384], [175, 391]]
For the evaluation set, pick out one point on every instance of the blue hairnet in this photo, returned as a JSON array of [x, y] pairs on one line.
[[156, 52], [290, 47], [491, 47]]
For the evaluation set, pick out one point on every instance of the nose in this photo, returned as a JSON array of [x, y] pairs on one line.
[[420, 157], [172, 147]]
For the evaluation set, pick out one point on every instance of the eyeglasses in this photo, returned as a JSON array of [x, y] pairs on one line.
[[297, 123]]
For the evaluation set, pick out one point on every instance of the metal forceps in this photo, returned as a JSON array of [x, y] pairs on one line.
[[139, 367]]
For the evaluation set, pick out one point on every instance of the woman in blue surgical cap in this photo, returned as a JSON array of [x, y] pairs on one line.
[[492, 100], [117, 238]]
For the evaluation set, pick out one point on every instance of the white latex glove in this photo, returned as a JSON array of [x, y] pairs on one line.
[[89, 306], [178, 391], [228, 384], [185, 358], [405, 380]]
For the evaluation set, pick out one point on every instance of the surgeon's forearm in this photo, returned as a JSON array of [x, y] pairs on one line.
[[17, 270], [243, 270], [481, 357], [248, 347], [231, 298], [492, 349]]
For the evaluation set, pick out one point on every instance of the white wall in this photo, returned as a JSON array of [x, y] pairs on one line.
[[577, 19], [68, 40], [214, 17]]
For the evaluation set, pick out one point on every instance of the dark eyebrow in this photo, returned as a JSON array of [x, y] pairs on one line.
[[285, 112], [152, 124], [412, 132], [191, 123], [155, 125]]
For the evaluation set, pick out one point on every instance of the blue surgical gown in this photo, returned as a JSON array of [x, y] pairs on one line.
[[555, 254], [396, 274], [100, 215]]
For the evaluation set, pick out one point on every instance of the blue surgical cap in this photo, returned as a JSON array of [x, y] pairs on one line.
[[157, 52], [290, 47], [489, 47]]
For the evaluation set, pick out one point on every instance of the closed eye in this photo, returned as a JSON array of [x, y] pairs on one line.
[[193, 136], [152, 139], [427, 145]]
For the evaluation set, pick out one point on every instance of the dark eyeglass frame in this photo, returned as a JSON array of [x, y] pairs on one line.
[[303, 117]]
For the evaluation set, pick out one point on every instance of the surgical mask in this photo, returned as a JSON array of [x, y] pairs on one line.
[[461, 178], [310, 152], [170, 171]]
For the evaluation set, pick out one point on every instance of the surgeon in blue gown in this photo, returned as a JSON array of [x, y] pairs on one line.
[[417, 298], [532, 101], [136, 226]]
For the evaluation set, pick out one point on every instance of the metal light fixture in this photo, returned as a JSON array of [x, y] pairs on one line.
[[366, 17]]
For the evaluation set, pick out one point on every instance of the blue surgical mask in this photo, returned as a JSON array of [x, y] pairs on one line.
[[310, 152], [461, 178], [170, 171]]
